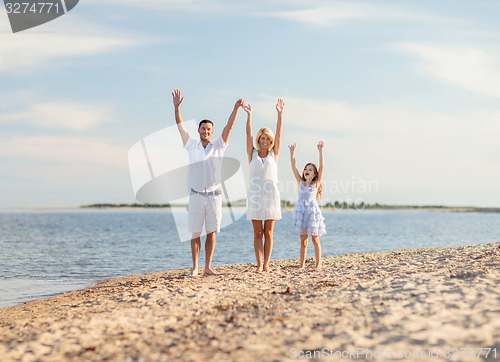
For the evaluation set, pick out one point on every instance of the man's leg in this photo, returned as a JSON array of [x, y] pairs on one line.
[[209, 252], [195, 252], [196, 215], [213, 217]]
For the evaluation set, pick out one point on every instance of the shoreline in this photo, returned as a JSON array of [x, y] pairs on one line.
[[458, 209], [405, 300]]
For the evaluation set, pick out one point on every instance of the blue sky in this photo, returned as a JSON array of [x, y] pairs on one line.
[[405, 94]]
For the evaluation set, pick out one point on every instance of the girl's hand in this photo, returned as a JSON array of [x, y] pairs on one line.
[[247, 108], [292, 147], [280, 105], [321, 144]]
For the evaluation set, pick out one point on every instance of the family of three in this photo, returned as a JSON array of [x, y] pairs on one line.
[[263, 199]]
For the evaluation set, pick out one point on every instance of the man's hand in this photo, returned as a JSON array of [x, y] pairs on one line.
[[239, 103], [176, 97], [230, 123]]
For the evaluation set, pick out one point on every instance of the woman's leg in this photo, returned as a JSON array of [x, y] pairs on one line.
[[317, 251], [268, 242], [257, 242], [303, 251]]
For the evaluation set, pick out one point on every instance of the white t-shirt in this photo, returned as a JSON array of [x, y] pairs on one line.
[[204, 172]]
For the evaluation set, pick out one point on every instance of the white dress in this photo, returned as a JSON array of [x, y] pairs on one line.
[[307, 217], [263, 197]]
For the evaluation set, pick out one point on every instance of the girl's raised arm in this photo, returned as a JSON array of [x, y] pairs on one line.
[[248, 108], [292, 160], [279, 127], [321, 144]]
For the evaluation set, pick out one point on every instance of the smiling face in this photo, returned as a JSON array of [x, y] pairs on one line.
[[310, 172], [265, 139], [264, 142], [205, 130]]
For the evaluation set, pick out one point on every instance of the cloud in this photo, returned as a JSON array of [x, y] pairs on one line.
[[416, 154], [183, 5], [69, 36], [329, 115], [471, 69], [38, 49], [358, 121], [64, 150], [327, 14], [67, 115]]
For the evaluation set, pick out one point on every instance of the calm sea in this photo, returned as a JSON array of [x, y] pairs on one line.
[[43, 253]]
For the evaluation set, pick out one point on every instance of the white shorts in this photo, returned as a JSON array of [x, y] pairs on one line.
[[204, 210]]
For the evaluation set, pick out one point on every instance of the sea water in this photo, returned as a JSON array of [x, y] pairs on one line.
[[43, 253]]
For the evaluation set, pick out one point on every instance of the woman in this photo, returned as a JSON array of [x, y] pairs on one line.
[[263, 199]]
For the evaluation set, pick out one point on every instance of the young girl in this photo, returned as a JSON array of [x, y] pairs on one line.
[[307, 217]]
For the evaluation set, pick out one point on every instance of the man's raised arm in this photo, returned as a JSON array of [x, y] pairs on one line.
[[230, 123], [177, 99]]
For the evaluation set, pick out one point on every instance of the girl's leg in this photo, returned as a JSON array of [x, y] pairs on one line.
[[268, 242], [303, 251], [257, 242], [317, 251]]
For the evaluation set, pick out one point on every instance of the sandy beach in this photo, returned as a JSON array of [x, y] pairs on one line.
[[428, 304]]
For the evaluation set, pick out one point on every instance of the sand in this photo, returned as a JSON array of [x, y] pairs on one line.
[[408, 304]]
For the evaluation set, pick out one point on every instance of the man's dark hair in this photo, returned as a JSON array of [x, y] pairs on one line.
[[206, 121]]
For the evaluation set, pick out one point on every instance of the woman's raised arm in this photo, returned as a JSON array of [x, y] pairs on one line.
[[248, 108], [279, 127]]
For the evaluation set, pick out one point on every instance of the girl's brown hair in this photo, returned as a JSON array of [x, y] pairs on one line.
[[319, 194]]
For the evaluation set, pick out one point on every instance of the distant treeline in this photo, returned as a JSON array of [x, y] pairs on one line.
[[337, 205], [125, 205]]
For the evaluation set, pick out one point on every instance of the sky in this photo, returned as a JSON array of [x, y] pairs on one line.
[[405, 94]]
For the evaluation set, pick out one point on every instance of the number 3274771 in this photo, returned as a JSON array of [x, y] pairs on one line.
[[33, 8]]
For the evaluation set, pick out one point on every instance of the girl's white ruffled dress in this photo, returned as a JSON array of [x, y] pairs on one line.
[[263, 197], [307, 216]]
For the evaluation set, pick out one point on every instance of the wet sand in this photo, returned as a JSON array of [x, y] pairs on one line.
[[409, 303]]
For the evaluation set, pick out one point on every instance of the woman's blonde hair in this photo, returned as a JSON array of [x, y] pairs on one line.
[[268, 133]]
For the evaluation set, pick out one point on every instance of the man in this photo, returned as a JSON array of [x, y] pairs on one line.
[[205, 199]]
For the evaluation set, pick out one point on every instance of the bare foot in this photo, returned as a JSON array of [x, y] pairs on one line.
[[265, 269], [193, 273], [260, 270], [209, 271]]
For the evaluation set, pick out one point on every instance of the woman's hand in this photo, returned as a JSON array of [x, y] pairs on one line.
[[280, 105], [292, 147], [247, 108], [321, 144]]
